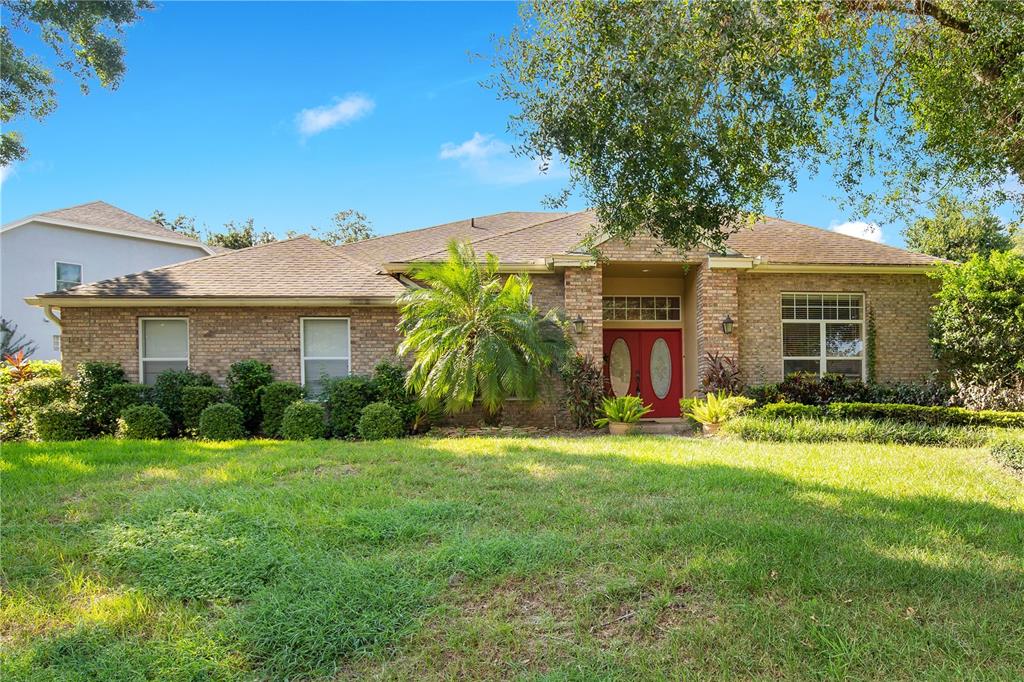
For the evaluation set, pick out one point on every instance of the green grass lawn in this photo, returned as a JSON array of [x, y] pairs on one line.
[[610, 558]]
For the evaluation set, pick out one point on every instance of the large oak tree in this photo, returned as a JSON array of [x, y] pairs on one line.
[[679, 117]]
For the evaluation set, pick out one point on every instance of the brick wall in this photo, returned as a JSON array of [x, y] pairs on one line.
[[717, 296], [583, 290], [902, 310], [221, 336]]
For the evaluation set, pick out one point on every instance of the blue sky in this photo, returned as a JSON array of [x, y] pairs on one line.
[[289, 112]]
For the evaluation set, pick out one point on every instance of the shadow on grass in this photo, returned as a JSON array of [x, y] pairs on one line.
[[362, 576]]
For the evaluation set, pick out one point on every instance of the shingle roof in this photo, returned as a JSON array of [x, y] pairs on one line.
[[293, 268], [405, 246], [102, 214]]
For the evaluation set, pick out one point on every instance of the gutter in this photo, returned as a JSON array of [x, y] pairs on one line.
[[48, 303]]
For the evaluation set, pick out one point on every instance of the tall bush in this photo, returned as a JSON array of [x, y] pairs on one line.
[[978, 325], [345, 399], [275, 399], [168, 393], [389, 378], [195, 399], [93, 389], [584, 389], [245, 381]]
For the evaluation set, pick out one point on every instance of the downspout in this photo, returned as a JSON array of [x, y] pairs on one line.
[[48, 311]]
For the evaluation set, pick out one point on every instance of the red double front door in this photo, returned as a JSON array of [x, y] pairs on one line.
[[647, 363]]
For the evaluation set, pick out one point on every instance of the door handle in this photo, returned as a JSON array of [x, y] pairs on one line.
[[638, 382]]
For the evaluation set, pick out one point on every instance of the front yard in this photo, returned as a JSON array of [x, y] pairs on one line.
[[546, 558]]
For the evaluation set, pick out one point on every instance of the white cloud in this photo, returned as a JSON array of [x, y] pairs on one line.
[[5, 173], [318, 119], [859, 228], [492, 161]]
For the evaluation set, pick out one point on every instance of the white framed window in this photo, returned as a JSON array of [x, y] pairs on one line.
[[67, 275], [163, 345], [823, 333], [326, 350], [56, 342], [646, 308]]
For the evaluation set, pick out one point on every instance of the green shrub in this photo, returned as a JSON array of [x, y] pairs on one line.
[[143, 422], [715, 408], [303, 421], [345, 400], [41, 391], [380, 421], [625, 409], [245, 381], [222, 421], [195, 399], [936, 416], [584, 389], [802, 430], [168, 393], [123, 396], [389, 382], [789, 411], [1009, 452], [275, 399], [60, 421], [763, 394], [95, 380]]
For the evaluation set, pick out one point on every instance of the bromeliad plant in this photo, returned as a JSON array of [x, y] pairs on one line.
[[716, 409], [476, 336], [626, 409]]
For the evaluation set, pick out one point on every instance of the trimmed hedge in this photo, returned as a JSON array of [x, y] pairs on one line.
[[303, 421], [789, 411], [345, 400], [389, 381], [222, 421], [42, 391], [195, 399], [274, 400], [95, 380], [143, 422], [246, 380], [380, 421], [60, 421], [936, 416], [759, 428], [123, 396], [168, 393], [810, 389]]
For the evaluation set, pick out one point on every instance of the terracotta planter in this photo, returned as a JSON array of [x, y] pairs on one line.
[[620, 428], [711, 429]]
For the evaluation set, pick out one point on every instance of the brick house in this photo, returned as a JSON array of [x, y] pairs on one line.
[[781, 297]]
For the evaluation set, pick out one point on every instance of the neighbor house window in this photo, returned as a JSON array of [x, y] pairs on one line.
[[823, 333], [163, 345], [648, 308], [325, 351], [68, 275]]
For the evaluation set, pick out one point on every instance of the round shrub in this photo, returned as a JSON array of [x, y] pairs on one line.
[[222, 421], [379, 421], [143, 422], [195, 399], [123, 396], [346, 398], [169, 391], [42, 391], [60, 421], [303, 421], [275, 399]]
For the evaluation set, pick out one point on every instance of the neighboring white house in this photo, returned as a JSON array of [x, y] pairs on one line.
[[87, 243]]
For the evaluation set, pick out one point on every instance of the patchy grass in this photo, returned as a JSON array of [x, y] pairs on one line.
[[613, 558]]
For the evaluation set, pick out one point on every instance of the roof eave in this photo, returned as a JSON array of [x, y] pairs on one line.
[[843, 268], [184, 241], [539, 265], [209, 301]]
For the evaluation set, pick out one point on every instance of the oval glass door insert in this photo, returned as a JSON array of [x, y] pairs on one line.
[[620, 367], [661, 368]]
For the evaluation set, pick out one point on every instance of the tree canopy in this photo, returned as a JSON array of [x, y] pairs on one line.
[[958, 230], [84, 39], [677, 118]]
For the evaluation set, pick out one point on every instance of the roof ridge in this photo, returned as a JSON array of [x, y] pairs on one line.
[[334, 251], [432, 227], [150, 223], [506, 233]]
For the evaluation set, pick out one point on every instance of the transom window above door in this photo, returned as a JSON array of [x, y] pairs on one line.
[[642, 308], [823, 333]]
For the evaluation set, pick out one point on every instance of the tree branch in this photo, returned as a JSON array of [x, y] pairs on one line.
[[928, 8]]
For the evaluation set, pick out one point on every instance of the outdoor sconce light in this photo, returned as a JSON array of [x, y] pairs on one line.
[[577, 324], [727, 324]]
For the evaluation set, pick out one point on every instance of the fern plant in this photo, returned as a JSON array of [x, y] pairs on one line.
[[626, 409]]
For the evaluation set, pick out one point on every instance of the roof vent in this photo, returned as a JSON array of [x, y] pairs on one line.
[[472, 222]]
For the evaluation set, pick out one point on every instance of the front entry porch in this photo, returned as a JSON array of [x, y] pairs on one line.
[[646, 363]]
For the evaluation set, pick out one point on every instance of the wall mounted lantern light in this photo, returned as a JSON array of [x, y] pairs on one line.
[[577, 324], [728, 324]]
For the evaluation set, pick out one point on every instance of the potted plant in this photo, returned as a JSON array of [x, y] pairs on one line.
[[622, 413], [711, 413]]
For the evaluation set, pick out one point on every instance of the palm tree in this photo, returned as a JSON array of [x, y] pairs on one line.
[[474, 336]]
